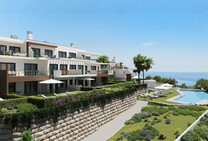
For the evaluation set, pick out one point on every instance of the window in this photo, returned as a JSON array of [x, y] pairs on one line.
[[70, 82], [93, 67], [63, 67], [2, 49], [12, 88], [49, 53], [80, 67], [7, 66], [72, 67], [31, 67], [64, 84], [36, 52], [87, 57], [14, 49], [62, 54], [72, 55], [31, 87], [53, 67]]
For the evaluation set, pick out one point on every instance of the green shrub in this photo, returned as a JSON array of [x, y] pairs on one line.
[[26, 136], [139, 116], [151, 109], [12, 103], [86, 88], [177, 131], [137, 135], [4, 110], [129, 122], [26, 107]]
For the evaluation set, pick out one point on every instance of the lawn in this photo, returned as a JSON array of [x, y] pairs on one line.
[[178, 120], [162, 99], [167, 129]]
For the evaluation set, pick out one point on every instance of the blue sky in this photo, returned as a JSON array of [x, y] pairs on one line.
[[172, 32]]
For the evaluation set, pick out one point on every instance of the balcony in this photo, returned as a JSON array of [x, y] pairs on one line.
[[23, 73], [71, 72], [9, 53], [23, 76]]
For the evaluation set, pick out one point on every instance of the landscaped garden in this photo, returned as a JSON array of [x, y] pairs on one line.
[[200, 131], [27, 106], [158, 123], [163, 98]]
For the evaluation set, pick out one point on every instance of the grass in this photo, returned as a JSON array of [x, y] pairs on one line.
[[167, 129], [162, 99]]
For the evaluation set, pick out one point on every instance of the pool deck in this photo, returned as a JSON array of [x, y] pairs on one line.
[[202, 102]]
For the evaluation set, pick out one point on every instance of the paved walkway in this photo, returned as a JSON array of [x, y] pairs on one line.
[[110, 128]]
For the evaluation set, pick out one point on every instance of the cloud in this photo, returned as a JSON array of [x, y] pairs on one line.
[[148, 44]]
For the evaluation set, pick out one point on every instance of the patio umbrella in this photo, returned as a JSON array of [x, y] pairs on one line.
[[161, 88], [51, 81], [87, 79], [167, 85]]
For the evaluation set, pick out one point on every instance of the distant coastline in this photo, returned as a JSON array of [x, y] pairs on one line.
[[189, 78]]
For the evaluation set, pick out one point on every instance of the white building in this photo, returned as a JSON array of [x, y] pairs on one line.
[[23, 63], [117, 71]]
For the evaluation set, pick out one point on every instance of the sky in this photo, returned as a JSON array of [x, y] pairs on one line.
[[172, 32]]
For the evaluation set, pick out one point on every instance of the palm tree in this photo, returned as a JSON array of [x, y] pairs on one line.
[[103, 59], [147, 65], [139, 61]]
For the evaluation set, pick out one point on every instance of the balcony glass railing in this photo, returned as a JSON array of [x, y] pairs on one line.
[[23, 73], [102, 72], [72, 72], [9, 53]]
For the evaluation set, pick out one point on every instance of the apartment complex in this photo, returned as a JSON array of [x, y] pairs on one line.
[[24, 63]]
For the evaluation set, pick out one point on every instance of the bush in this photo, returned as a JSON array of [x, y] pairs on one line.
[[154, 110], [86, 88], [168, 121], [177, 131], [161, 136], [4, 110], [129, 122], [26, 107], [12, 103], [148, 138], [26, 136], [142, 115], [143, 133]]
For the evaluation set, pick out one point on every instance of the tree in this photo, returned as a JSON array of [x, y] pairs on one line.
[[103, 59], [183, 85], [148, 77], [147, 65], [139, 61]]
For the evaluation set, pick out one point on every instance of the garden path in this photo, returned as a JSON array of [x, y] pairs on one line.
[[110, 128]]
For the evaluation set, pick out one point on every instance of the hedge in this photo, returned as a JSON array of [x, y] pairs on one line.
[[86, 88], [81, 99], [12, 103]]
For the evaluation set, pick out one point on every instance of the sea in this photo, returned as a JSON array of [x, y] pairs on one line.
[[189, 78]]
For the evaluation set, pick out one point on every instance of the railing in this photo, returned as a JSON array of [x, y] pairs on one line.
[[72, 72], [23, 73], [93, 72], [102, 72], [9, 53]]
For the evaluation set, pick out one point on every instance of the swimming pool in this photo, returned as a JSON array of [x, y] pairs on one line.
[[192, 96]]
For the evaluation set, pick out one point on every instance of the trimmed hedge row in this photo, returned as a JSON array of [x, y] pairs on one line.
[[10, 102], [83, 100], [41, 102]]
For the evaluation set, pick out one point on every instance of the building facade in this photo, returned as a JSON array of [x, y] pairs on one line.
[[24, 63]]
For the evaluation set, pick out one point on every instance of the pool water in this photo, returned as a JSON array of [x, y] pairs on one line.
[[192, 96]]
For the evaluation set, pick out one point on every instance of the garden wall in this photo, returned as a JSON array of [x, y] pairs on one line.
[[73, 126]]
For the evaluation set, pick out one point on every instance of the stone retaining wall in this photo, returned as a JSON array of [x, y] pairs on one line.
[[73, 126]]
